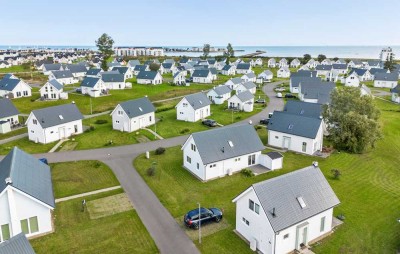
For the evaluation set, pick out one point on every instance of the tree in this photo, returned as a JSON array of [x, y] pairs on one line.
[[306, 58], [335, 58], [154, 67], [105, 45], [352, 120], [321, 57], [389, 64], [230, 51], [206, 50]]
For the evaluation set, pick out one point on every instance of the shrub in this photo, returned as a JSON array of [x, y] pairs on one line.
[[186, 130], [336, 173], [151, 171], [91, 128], [238, 117], [101, 121], [257, 127], [247, 172], [97, 164], [160, 151]]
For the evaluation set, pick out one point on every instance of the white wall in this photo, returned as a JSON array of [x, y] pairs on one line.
[[352, 81], [114, 85], [395, 97], [187, 113], [213, 97], [11, 119], [385, 84], [20, 90], [195, 158], [51, 90]]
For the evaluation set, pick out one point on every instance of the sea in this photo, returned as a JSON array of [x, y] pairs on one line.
[[354, 52]]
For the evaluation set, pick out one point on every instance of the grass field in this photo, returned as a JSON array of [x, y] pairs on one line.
[[13, 133], [71, 178], [26, 145], [368, 189], [75, 232]]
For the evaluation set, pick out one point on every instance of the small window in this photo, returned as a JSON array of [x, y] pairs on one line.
[[257, 208], [304, 147], [198, 165], [193, 147], [34, 121], [276, 137], [24, 226], [301, 202], [5, 231], [251, 204], [286, 236], [322, 227], [188, 159]]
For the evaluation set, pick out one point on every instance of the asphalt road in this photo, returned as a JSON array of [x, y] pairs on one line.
[[167, 234]]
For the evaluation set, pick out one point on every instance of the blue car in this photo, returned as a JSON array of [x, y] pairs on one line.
[[192, 219]]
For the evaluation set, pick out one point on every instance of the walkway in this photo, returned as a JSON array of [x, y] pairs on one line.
[[52, 150], [6, 140], [87, 194], [152, 132]]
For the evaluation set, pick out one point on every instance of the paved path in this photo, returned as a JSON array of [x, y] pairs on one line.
[[152, 132], [6, 140], [167, 234], [52, 150], [87, 194]]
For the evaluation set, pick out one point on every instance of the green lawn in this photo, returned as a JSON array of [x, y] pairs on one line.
[[368, 189], [15, 69], [13, 133], [71, 178], [75, 232], [26, 145]]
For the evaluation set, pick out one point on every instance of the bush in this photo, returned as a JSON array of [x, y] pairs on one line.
[[247, 172], [91, 128], [151, 171], [160, 151], [257, 127], [101, 121], [336, 173], [97, 164], [186, 130], [238, 118]]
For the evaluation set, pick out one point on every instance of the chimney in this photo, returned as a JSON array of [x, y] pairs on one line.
[[8, 181], [315, 164], [273, 212], [223, 149]]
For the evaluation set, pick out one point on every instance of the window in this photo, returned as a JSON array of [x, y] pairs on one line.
[[246, 221], [149, 118], [198, 165], [304, 147], [257, 208], [188, 159], [34, 121], [120, 112], [30, 225], [25, 93], [251, 159], [184, 104], [117, 121], [251, 204], [322, 227], [237, 159], [286, 236], [5, 232], [18, 94], [276, 137]]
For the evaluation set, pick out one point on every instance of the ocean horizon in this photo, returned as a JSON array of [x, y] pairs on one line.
[[365, 52]]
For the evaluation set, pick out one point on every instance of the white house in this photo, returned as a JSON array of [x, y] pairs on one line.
[[297, 80], [63, 77], [295, 63], [271, 63], [93, 86], [283, 72], [363, 74], [179, 78], [386, 80], [26, 196], [243, 101], [77, 70], [286, 213], [247, 86], [54, 123], [243, 68], [202, 76], [132, 63], [193, 107], [132, 115], [265, 76], [94, 72], [149, 77], [228, 70], [138, 68], [11, 87], [258, 62], [8, 115], [323, 70], [295, 133], [396, 94], [222, 151], [53, 90], [249, 77], [340, 68], [113, 80], [218, 95], [353, 80], [48, 68], [316, 92], [233, 83], [283, 63], [126, 71]]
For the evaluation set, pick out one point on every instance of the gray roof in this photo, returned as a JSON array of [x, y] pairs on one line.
[[297, 80], [266, 72], [322, 67], [147, 75], [227, 67], [274, 155], [62, 74], [93, 72], [294, 124], [375, 63], [250, 75], [140, 67], [76, 68], [90, 82], [249, 85], [373, 71], [56, 84], [7, 108], [359, 72], [386, 76], [304, 73], [198, 100], [48, 117], [221, 90], [9, 84], [137, 107], [201, 73], [302, 108], [16, 245], [167, 65], [120, 69], [132, 63], [245, 96], [243, 66], [396, 89], [28, 175], [236, 81], [213, 70], [282, 193], [213, 145], [111, 77], [52, 67], [320, 91], [339, 66]]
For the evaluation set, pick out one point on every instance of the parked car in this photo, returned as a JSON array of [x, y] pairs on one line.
[[264, 121], [289, 95], [192, 219], [279, 95], [209, 122], [78, 90], [280, 89], [260, 101]]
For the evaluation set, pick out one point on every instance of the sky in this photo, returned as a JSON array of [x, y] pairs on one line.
[[194, 22]]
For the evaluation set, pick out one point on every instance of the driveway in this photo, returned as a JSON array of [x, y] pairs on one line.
[[167, 234]]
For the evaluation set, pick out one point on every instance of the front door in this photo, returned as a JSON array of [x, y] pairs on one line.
[[251, 159], [301, 236], [286, 142], [141, 122], [201, 114], [61, 132]]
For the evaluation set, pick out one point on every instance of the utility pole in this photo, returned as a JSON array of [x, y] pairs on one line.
[[91, 108]]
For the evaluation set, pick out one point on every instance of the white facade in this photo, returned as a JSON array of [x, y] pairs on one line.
[[115, 85], [385, 83], [217, 99], [204, 80], [256, 227], [241, 88], [185, 112], [38, 134], [16, 206], [243, 71], [352, 80], [246, 106], [395, 97], [296, 143], [20, 90], [122, 122], [157, 80], [283, 72], [94, 91], [49, 92], [245, 78]]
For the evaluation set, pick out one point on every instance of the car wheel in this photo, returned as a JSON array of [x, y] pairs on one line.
[[218, 219], [195, 226]]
